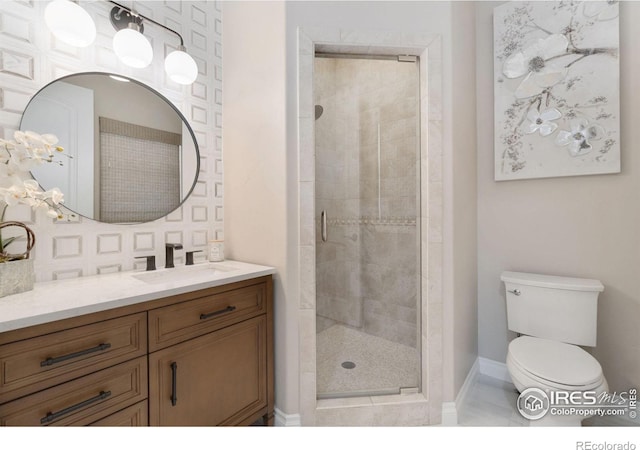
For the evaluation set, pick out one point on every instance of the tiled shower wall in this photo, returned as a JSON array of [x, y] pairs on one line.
[[30, 57], [367, 271]]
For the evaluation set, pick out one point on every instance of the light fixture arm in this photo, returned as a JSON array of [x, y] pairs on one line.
[[119, 23]]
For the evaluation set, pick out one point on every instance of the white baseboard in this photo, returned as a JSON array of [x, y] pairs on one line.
[[471, 377], [449, 414], [450, 409], [494, 369], [286, 420]]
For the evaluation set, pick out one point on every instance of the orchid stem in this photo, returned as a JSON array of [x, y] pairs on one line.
[[4, 209]]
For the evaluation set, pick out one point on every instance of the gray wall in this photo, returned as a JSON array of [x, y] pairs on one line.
[[585, 226], [464, 216]]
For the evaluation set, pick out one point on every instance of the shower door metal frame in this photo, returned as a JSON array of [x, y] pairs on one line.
[[429, 400], [400, 59]]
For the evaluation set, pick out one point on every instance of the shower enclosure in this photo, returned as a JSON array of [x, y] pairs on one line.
[[367, 159]]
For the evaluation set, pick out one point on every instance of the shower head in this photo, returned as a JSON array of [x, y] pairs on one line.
[[319, 111]]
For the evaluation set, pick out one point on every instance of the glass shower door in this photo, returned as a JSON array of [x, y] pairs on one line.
[[367, 239]]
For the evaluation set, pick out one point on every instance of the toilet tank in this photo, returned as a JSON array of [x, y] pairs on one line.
[[557, 308]]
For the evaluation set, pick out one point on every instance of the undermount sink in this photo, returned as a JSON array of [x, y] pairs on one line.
[[206, 270]]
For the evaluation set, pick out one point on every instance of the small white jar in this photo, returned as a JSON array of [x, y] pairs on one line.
[[216, 251]]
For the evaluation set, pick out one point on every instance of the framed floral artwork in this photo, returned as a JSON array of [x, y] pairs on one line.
[[556, 89]]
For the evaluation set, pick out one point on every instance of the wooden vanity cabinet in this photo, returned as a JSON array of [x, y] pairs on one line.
[[203, 358], [213, 362]]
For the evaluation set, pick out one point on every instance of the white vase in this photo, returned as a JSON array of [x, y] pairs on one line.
[[16, 276]]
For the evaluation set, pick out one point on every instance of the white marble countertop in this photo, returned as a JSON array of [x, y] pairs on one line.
[[56, 300]]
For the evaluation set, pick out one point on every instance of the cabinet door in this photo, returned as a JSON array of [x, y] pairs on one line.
[[216, 379]]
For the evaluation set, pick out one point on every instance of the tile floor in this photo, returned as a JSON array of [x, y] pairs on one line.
[[381, 366], [492, 402]]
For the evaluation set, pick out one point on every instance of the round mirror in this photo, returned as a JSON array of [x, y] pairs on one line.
[[132, 156]]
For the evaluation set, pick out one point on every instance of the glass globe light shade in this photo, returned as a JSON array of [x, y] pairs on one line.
[[181, 67], [70, 23], [132, 48]]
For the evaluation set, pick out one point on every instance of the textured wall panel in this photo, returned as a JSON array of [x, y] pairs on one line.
[[143, 241], [109, 243], [67, 247], [30, 58], [110, 268], [17, 64], [16, 27], [65, 274], [199, 213]]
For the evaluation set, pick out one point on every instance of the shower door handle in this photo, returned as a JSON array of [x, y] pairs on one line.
[[323, 226]]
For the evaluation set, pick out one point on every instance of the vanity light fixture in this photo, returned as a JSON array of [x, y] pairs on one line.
[[180, 66], [129, 45], [134, 50], [70, 23]]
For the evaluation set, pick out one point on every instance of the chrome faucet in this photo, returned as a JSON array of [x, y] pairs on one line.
[[169, 254]]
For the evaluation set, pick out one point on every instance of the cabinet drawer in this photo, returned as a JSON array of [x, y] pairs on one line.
[[82, 401], [133, 416], [176, 323], [44, 361]]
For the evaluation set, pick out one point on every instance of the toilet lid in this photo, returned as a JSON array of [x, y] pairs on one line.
[[555, 361]]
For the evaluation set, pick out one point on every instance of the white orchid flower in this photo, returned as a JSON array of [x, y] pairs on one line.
[[8, 177], [578, 138], [533, 62], [50, 139], [541, 121], [13, 194], [20, 136], [21, 158], [31, 186], [17, 158], [601, 10], [55, 195], [53, 213]]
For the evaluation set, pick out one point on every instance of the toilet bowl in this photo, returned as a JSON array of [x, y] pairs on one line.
[[554, 366]]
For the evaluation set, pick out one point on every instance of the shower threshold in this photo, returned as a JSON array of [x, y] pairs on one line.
[[400, 391]]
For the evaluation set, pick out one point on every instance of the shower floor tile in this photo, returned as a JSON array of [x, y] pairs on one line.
[[381, 366]]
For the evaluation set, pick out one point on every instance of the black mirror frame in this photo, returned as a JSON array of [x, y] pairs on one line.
[[166, 100]]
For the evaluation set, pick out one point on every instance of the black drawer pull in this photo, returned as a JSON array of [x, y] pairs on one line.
[[174, 383], [215, 313], [51, 361], [50, 417]]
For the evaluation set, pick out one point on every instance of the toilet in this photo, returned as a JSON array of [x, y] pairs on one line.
[[553, 316]]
